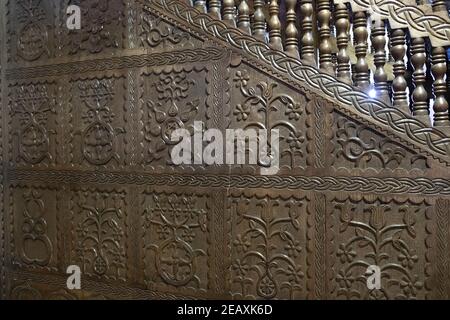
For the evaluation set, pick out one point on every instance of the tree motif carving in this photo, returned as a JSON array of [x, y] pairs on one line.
[[173, 110], [267, 251], [98, 139], [32, 105], [179, 225], [263, 107], [382, 235], [101, 21], [32, 35], [100, 236]]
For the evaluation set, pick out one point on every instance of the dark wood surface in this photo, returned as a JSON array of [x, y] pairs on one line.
[[87, 179]]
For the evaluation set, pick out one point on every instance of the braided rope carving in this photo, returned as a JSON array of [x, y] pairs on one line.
[[400, 15], [423, 186], [353, 101]]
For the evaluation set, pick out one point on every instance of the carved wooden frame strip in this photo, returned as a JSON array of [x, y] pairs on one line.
[[422, 186], [126, 62]]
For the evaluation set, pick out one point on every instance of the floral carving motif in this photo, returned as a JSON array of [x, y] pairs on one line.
[[362, 147], [32, 105], [155, 32], [263, 108], [100, 235], [180, 222], [173, 110], [99, 20], [375, 241], [32, 35], [98, 139], [267, 252]]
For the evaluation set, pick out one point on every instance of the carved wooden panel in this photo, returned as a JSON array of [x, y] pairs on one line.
[[99, 232], [176, 240], [34, 223], [87, 177], [393, 234], [268, 245]]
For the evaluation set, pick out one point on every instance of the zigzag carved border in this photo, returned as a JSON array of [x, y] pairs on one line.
[[349, 99]]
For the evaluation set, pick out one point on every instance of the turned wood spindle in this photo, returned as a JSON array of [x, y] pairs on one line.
[[439, 5], [399, 84], [291, 29], [200, 5], [342, 30], [439, 69], [361, 74], [418, 60], [259, 20], [229, 12], [307, 48], [214, 8], [378, 37], [323, 16], [275, 26], [244, 17]]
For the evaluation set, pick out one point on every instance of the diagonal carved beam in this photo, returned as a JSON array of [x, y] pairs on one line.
[[347, 98], [420, 20]]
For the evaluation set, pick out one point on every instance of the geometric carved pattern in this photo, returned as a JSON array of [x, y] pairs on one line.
[[175, 241], [99, 232], [268, 247]]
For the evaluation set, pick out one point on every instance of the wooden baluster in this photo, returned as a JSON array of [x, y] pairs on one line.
[[275, 26], [440, 106], [362, 75], [229, 12], [439, 69], [378, 36], [399, 84], [200, 5], [419, 95], [244, 17], [214, 8], [342, 29], [307, 49], [291, 29], [259, 20], [439, 5], [324, 15]]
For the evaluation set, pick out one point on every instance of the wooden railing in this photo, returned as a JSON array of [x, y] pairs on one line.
[[394, 50]]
